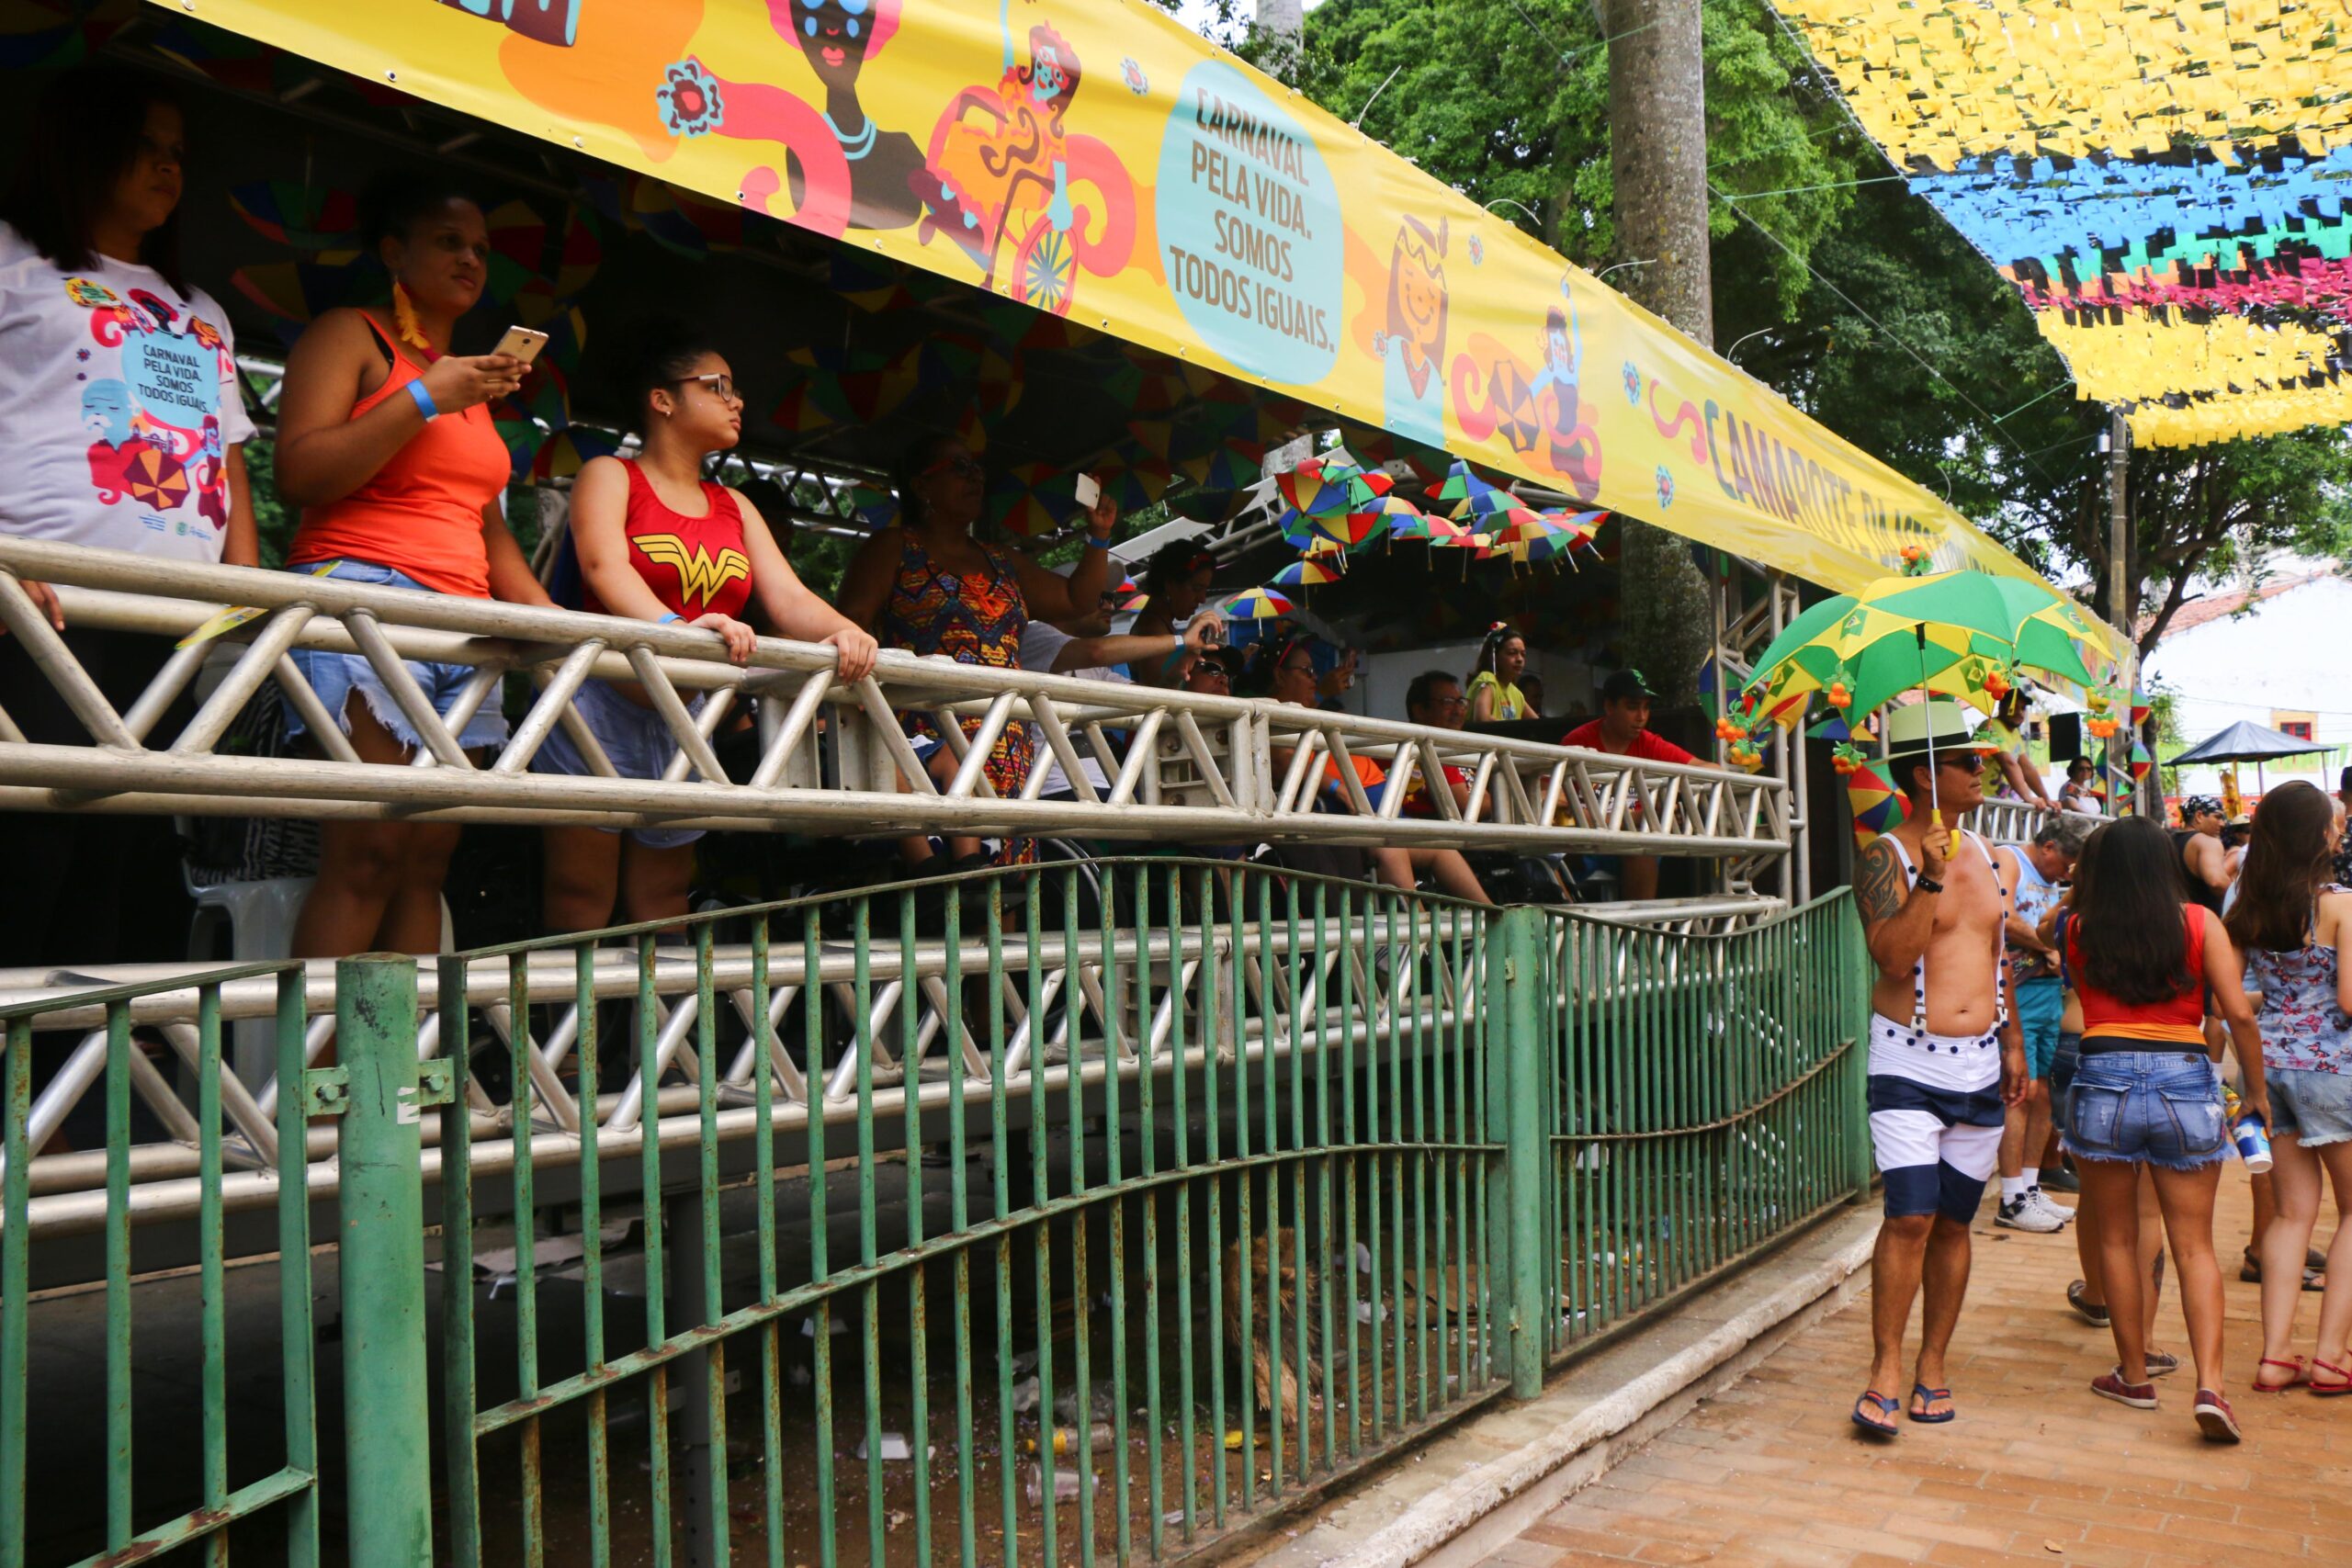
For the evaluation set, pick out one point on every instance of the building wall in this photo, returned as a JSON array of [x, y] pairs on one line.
[[2289, 658]]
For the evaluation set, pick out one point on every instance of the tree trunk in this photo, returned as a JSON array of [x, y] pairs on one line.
[[1658, 159]]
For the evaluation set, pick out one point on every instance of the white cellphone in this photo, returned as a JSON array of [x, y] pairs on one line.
[[1088, 491], [521, 343]]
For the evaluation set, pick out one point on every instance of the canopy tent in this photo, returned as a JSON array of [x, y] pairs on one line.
[[2246, 741], [1112, 174], [2164, 185]]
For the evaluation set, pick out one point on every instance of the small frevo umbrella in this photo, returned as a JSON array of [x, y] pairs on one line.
[[1256, 604]]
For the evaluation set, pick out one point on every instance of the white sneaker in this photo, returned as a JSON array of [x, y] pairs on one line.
[[2020, 1214], [2035, 1197]]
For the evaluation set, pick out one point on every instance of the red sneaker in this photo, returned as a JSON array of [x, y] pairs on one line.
[[2215, 1418], [2138, 1395]]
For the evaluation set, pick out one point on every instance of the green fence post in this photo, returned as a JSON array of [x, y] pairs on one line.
[[1516, 1097], [1855, 973], [387, 1408]]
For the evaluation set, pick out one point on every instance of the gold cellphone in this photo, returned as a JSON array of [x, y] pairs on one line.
[[521, 343]]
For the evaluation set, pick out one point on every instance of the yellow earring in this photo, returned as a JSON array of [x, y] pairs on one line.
[[411, 331]]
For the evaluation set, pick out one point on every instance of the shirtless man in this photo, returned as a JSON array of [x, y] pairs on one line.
[[1946, 1056]]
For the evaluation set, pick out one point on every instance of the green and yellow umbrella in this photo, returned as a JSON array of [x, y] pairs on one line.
[[1959, 634]]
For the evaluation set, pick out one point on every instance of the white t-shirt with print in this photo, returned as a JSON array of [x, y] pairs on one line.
[[118, 408]]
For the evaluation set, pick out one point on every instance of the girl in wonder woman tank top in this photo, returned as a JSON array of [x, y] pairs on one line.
[[657, 542]]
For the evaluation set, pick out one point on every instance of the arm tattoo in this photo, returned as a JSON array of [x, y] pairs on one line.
[[1878, 884]]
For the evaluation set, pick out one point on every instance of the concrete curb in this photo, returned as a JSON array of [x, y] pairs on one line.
[[1579, 1432]]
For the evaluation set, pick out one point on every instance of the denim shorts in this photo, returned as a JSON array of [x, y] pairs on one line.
[[2163, 1107], [2316, 1107], [2063, 1065], [2041, 1003], [334, 676], [636, 740]]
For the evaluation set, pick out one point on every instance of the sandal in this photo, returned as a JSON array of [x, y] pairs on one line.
[[2336, 1390], [1884, 1406], [1927, 1395], [2295, 1365]]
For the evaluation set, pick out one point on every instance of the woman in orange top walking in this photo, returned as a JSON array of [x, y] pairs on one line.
[[659, 541], [385, 440]]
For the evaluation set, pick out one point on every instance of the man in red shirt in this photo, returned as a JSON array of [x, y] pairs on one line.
[[1623, 730]]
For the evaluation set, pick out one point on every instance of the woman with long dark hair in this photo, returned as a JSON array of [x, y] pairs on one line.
[[2146, 1094], [385, 440], [1493, 689], [124, 429], [660, 543], [2295, 936]]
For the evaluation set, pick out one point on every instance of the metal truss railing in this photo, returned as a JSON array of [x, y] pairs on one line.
[[532, 1003], [2008, 821], [832, 758]]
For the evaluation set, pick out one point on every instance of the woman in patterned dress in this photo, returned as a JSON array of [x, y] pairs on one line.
[[924, 584]]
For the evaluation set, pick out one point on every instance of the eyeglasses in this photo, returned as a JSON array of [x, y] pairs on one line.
[[962, 468], [1456, 701], [719, 381]]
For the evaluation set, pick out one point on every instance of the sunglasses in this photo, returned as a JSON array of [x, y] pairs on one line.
[[719, 381], [962, 468]]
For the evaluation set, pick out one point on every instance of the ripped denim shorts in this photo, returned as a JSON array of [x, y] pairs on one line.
[[2160, 1106], [334, 676]]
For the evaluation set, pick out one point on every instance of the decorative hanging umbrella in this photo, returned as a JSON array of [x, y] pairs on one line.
[[1461, 489], [1309, 573], [1032, 499], [1256, 604], [1877, 805]]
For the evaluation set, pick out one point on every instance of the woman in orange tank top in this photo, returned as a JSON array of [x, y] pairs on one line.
[[657, 542], [2145, 964], [385, 440]]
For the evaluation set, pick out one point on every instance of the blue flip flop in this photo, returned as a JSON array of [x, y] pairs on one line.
[[1925, 1394], [1884, 1406]]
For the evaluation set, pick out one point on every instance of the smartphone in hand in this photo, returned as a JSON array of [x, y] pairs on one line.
[[1088, 491], [521, 343]]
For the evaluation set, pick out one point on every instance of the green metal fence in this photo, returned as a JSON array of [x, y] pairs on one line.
[[1080, 1211], [272, 1490]]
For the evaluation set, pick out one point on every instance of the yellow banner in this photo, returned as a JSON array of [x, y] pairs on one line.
[[1099, 160]]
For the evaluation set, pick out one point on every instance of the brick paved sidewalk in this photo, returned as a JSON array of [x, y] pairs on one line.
[[2037, 1468]]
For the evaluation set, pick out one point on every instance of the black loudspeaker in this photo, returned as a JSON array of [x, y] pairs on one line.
[[2066, 736]]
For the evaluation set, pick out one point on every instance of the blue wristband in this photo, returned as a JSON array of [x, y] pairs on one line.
[[667, 616], [1097, 542], [423, 398]]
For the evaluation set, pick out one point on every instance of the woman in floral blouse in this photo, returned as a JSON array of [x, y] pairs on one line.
[[2294, 931]]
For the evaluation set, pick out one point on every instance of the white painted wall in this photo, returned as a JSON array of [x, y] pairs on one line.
[[2291, 653]]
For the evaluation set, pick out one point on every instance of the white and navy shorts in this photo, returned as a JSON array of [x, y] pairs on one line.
[[1935, 1116]]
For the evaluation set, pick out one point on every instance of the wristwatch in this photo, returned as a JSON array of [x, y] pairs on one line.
[[1926, 884]]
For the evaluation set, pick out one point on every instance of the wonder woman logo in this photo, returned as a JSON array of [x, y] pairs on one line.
[[700, 574]]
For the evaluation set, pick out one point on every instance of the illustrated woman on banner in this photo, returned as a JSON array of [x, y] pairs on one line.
[[839, 37], [1414, 342]]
